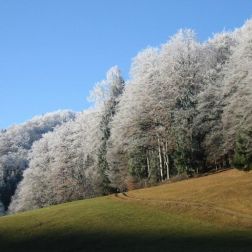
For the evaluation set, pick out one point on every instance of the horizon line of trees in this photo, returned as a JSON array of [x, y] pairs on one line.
[[186, 108]]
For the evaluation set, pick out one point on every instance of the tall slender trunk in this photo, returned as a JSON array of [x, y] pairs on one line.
[[160, 160], [148, 165], [167, 166], [166, 160], [216, 166]]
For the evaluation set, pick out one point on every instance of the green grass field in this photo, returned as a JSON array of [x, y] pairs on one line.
[[211, 213]]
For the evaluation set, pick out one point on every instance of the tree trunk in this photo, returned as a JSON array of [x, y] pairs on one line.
[[167, 166], [160, 160], [166, 159], [148, 165]]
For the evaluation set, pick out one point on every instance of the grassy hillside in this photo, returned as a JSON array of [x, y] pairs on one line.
[[212, 213]]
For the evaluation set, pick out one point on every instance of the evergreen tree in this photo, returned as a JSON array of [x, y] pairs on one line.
[[115, 86]]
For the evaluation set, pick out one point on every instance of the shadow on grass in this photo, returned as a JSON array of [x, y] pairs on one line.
[[102, 241]]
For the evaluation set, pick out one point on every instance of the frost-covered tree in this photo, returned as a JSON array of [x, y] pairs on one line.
[[237, 116], [114, 86], [154, 120], [15, 143], [62, 165], [186, 108], [208, 122], [128, 145], [183, 70]]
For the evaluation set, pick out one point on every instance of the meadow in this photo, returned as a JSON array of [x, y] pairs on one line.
[[209, 213]]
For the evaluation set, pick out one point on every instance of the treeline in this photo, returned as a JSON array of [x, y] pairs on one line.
[[186, 108], [15, 144]]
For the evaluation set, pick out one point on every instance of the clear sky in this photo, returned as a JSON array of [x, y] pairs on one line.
[[53, 51]]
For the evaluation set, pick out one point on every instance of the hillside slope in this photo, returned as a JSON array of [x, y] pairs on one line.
[[212, 213]]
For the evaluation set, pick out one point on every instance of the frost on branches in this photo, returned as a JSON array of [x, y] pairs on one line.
[[186, 108]]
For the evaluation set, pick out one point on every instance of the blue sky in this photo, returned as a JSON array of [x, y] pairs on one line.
[[53, 51]]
